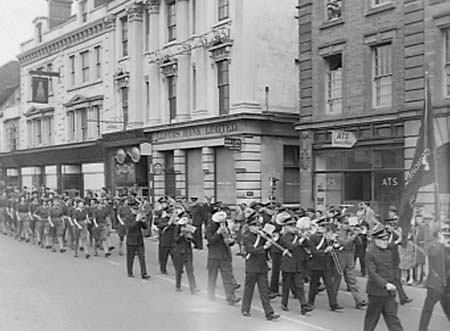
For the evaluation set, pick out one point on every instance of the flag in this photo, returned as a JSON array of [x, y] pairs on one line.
[[421, 172]]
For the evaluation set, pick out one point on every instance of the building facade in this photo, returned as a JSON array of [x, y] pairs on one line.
[[185, 97], [362, 93]]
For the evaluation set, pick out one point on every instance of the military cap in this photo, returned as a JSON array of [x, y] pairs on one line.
[[284, 218], [219, 217], [379, 232]]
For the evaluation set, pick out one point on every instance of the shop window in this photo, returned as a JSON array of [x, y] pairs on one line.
[[329, 161], [358, 159], [223, 7], [225, 176], [334, 9], [357, 186], [382, 75], [171, 21], [447, 61], [334, 83], [291, 180], [124, 24], [223, 86]]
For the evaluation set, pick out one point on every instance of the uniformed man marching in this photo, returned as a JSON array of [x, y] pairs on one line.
[[380, 289]]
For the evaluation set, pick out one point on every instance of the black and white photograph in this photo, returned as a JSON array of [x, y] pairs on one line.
[[217, 165]]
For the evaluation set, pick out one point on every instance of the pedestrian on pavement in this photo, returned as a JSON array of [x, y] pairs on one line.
[[219, 241], [438, 280], [135, 222], [256, 268], [381, 288]]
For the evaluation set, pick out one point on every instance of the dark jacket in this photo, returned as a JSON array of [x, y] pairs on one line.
[[296, 263], [256, 260], [217, 249], [439, 267], [134, 231], [379, 268], [165, 231], [320, 260], [183, 245]]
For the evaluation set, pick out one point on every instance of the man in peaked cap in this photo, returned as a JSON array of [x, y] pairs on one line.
[[380, 288]]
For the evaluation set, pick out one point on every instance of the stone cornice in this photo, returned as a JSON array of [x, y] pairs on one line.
[[68, 40], [153, 6], [135, 12]]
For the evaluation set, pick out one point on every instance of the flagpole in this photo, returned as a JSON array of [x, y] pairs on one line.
[[429, 108]]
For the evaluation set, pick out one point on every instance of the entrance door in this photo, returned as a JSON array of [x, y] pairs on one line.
[[194, 174], [225, 176]]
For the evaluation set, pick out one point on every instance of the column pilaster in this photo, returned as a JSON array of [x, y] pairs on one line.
[[159, 177], [179, 165], [183, 82], [208, 161]]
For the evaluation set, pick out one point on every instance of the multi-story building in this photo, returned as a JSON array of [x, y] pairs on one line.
[[362, 82], [185, 97]]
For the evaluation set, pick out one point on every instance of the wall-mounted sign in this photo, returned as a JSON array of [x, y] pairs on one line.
[[196, 131], [121, 155], [343, 139], [234, 144], [125, 174], [39, 86], [135, 154], [146, 149]]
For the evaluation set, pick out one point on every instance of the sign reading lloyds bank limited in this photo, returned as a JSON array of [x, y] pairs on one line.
[[196, 131], [342, 139]]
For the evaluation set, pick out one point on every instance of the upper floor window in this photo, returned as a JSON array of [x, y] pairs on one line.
[[39, 32], [124, 97], [40, 131], [334, 83], [50, 79], [72, 69], [172, 93], [223, 7], [84, 124], [171, 21], [84, 66], [124, 24], [11, 134], [447, 60], [334, 9], [224, 86], [382, 75], [83, 10], [376, 3], [147, 30], [98, 62]]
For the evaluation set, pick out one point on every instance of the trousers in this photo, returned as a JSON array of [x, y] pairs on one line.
[[326, 275], [184, 261], [275, 274], [226, 272], [140, 251], [348, 267], [431, 299], [382, 305], [164, 253], [294, 281], [261, 279]]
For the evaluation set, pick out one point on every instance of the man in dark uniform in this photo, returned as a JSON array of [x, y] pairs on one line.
[[134, 223], [198, 219], [438, 280], [219, 257], [380, 285], [256, 269], [165, 224]]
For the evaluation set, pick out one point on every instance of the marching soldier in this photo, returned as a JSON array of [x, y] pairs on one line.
[[165, 225], [80, 221], [198, 219], [42, 214], [101, 219], [219, 257], [56, 222], [438, 280], [381, 288], [256, 268], [123, 209], [293, 268]]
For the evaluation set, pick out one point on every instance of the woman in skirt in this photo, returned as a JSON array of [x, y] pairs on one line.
[[101, 216], [57, 219], [34, 205], [23, 218], [80, 221], [42, 214]]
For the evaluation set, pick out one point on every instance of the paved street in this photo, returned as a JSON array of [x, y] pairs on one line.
[[40, 290]]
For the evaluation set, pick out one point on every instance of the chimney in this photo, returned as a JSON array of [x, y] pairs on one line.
[[58, 12]]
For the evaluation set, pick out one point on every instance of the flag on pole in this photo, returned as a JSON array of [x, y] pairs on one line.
[[421, 172]]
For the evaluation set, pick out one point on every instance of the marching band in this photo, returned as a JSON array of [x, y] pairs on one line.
[[302, 246]]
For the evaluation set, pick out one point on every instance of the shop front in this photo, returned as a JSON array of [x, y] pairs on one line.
[[230, 159]]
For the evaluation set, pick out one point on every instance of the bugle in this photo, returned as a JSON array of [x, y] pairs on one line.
[[270, 237]]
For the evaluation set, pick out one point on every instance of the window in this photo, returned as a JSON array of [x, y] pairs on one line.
[[124, 92], [39, 32], [223, 7], [447, 59], [124, 23], [84, 124], [224, 87], [47, 130], [83, 10], [147, 30], [172, 86], [334, 9], [85, 66], [334, 83], [98, 62], [40, 131], [291, 180], [194, 87], [50, 79], [11, 134], [171, 21], [72, 69], [382, 75], [376, 3], [194, 16], [147, 94]]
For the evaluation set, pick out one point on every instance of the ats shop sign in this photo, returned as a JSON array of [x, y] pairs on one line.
[[216, 129]]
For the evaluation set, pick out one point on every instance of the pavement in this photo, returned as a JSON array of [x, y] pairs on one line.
[[41, 290]]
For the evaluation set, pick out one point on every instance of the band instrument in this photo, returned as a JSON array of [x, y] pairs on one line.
[[270, 237], [332, 242]]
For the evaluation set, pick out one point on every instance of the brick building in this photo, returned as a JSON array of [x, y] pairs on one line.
[[361, 95]]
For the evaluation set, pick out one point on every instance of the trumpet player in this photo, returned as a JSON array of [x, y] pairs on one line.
[[219, 241], [256, 268], [345, 237], [182, 252], [293, 268], [164, 223]]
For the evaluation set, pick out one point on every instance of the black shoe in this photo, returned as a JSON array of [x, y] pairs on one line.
[[337, 307], [273, 295], [361, 305], [130, 276], [272, 316], [111, 248], [246, 314], [406, 301], [81, 249], [233, 301], [164, 272], [321, 288], [107, 254], [284, 308], [236, 286], [146, 277], [306, 309], [178, 289], [87, 256]]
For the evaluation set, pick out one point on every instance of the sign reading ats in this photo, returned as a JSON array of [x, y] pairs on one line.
[[342, 139]]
